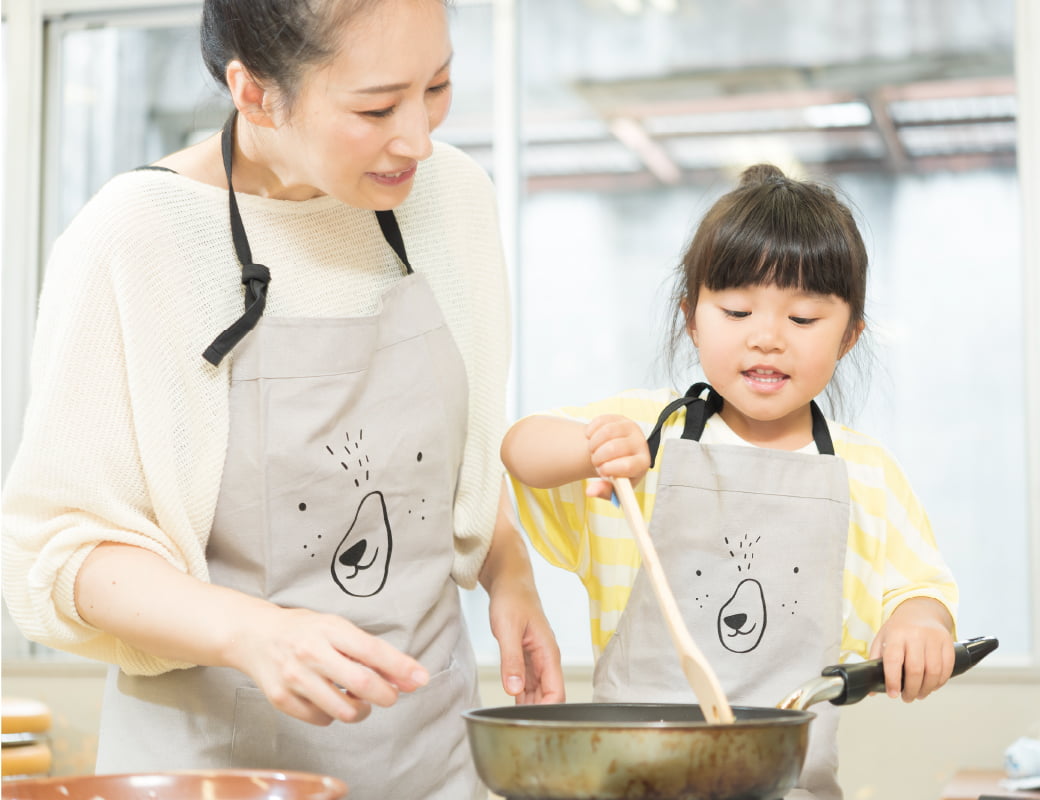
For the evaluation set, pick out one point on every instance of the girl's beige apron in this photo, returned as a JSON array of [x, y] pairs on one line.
[[346, 437], [753, 543]]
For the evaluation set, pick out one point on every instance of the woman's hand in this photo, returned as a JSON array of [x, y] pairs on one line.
[[320, 667], [916, 647], [617, 449], [315, 667], [531, 670]]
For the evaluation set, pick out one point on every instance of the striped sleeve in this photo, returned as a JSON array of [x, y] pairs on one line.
[[892, 552], [589, 536]]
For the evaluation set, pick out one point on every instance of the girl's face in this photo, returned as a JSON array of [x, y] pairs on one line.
[[360, 125], [769, 352]]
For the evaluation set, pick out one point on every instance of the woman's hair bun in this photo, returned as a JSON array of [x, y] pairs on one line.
[[761, 173]]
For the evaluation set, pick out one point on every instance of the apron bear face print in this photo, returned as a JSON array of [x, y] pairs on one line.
[[739, 603], [360, 563]]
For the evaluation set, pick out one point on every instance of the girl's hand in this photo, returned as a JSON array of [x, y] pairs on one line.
[[617, 449], [916, 646], [321, 667]]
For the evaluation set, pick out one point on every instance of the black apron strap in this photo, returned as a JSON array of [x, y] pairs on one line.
[[699, 409], [820, 433], [695, 417], [392, 233], [256, 277]]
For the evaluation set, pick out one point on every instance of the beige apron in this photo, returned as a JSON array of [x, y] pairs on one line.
[[346, 437], [753, 543]]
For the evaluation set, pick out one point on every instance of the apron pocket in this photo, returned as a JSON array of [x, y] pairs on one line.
[[415, 748], [254, 735]]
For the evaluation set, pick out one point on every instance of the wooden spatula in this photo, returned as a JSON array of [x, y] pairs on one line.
[[698, 671]]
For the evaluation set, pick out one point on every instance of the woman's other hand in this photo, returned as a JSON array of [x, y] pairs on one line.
[[530, 656]]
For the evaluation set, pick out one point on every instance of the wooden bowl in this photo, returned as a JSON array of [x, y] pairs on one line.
[[220, 784]]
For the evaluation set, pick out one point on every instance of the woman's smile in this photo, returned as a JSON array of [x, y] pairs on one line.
[[394, 178]]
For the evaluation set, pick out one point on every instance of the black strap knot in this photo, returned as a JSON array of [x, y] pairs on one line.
[[256, 272], [255, 277]]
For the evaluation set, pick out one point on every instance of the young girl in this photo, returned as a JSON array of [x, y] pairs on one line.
[[790, 541]]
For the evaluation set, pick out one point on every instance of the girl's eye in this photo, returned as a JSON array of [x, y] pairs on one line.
[[736, 314], [379, 113], [802, 320], [440, 87]]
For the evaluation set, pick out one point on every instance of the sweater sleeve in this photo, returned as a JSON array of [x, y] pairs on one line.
[[106, 454]]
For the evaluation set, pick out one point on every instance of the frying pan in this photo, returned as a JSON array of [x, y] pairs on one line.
[[665, 751]]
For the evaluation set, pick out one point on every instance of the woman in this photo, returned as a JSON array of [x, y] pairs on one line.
[[261, 518]]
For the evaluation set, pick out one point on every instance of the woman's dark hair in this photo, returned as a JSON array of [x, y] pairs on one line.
[[276, 40], [776, 231]]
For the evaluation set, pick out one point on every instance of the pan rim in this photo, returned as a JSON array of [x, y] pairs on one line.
[[529, 716]]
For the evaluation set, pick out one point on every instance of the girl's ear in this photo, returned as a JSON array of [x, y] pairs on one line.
[[249, 96], [691, 325], [852, 338]]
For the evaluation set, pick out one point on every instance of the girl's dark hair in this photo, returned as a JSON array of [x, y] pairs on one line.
[[276, 40], [773, 230]]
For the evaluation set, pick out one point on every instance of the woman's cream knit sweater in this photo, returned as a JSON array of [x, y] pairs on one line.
[[127, 426]]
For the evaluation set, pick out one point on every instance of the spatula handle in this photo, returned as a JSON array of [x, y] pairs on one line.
[[698, 671]]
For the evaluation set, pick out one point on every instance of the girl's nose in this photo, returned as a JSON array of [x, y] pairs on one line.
[[766, 336]]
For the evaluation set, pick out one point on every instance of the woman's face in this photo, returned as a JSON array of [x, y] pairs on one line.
[[360, 125]]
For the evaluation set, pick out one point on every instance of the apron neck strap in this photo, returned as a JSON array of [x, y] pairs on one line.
[[699, 409], [392, 234], [256, 277]]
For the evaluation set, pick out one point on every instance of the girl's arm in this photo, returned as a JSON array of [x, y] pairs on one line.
[[531, 669], [316, 667], [916, 645], [545, 452]]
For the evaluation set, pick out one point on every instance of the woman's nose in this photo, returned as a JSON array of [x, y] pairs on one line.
[[413, 134]]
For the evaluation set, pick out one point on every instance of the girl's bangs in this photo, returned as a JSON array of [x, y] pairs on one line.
[[809, 263]]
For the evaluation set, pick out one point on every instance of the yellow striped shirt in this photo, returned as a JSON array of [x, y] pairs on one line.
[[891, 554]]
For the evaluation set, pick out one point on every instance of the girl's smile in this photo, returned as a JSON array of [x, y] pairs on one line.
[[764, 379]]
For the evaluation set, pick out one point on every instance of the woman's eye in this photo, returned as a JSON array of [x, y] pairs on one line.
[[736, 314], [379, 113], [440, 87], [802, 320]]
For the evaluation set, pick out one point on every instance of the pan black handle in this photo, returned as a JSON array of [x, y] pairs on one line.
[[869, 676]]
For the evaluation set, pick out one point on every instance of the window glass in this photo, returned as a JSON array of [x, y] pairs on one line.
[[124, 93]]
